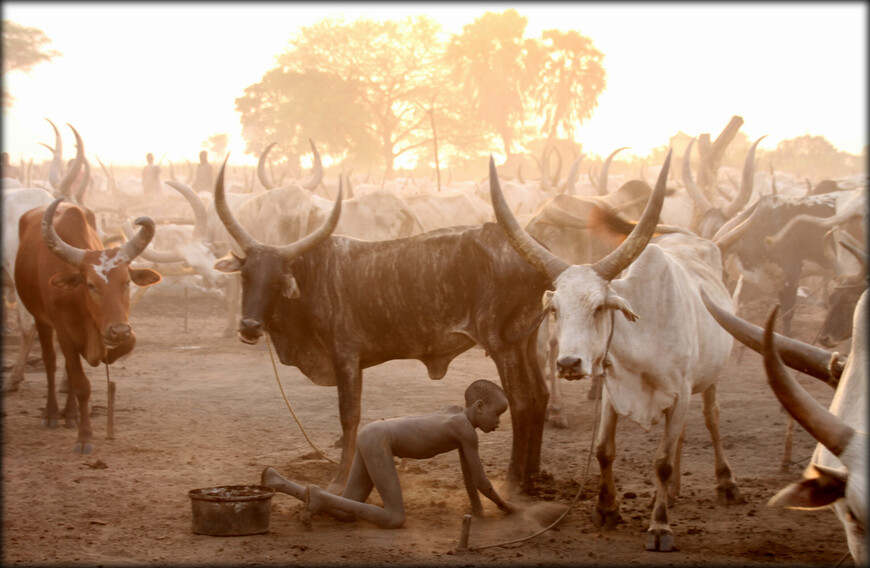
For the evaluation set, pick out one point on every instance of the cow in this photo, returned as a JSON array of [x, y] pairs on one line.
[[648, 335], [842, 301], [80, 291], [334, 306], [837, 473]]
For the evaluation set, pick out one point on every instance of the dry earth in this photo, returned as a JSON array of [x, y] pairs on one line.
[[194, 410]]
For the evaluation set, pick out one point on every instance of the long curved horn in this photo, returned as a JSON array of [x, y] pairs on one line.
[[303, 245], [808, 359], [233, 227], [543, 260], [66, 185], [261, 168], [746, 182], [86, 179], [699, 198], [544, 168], [602, 179], [555, 179], [317, 174], [134, 247], [572, 176], [110, 178], [55, 244], [56, 168], [828, 429], [735, 228], [200, 216], [611, 265], [160, 256]]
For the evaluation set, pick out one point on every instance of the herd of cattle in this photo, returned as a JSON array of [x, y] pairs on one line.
[[633, 287]]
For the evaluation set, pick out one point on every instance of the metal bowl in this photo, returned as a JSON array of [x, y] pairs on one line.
[[231, 510]]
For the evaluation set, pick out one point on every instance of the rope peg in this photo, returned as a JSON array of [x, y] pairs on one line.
[[463, 536]]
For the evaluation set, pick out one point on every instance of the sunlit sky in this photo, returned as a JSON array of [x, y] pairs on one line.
[[163, 77]]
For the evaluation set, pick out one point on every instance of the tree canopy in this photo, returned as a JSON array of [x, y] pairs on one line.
[[23, 49]]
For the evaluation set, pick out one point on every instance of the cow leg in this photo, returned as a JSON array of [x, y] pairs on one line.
[[788, 299], [527, 399], [726, 490], [674, 488], [80, 389], [548, 344], [49, 361], [28, 334], [349, 379], [659, 536], [606, 512]]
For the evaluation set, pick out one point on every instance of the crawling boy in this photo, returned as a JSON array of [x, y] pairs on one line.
[[416, 437]]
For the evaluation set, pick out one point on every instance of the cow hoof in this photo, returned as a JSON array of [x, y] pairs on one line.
[[556, 419], [729, 494], [50, 423], [11, 386], [69, 423], [84, 449], [605, 519], [661, 540]]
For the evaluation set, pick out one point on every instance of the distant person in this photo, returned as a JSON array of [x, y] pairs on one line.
[[416, 437], [8, 170], [204, 180]]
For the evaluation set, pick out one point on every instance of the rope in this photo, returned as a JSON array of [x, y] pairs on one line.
[[596, 419], [287, 402]]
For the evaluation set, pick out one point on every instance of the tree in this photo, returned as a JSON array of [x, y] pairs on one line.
[[490, 62], [569, 79], [23, 49], [356, 86], [217, 144]]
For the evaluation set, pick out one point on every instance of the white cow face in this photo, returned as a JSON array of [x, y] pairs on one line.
[[583, 304]]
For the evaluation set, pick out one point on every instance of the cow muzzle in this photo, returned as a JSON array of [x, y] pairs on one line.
[[116, 334], [250, 331], [571, 368]]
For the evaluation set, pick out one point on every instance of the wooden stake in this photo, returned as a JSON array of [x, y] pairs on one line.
[[463, 537], [110, 421]]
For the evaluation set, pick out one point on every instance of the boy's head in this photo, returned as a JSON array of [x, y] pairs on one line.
[[487, 402]]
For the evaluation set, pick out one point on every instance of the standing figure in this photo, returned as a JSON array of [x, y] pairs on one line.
[[204, 180]]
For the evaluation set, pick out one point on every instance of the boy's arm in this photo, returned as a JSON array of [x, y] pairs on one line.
[[479, 480], [476, 507]]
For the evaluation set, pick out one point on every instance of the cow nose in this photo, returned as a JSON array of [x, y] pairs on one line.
[[250, 329], [116, 333], [568, 365]]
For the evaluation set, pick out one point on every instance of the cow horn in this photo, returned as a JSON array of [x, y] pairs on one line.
[[233, 227], [808, 359], [611, 265], [66, 185], [571, 181], [731, 231], [134, 247], [555, 179], [56, 167], [86, 179], [322, 233], [746, 182], [317, 174], [602, 179], [261, 168], [699, 198], [543, 260], [199, 214], [164, 257], [828, 429], [55, 244]]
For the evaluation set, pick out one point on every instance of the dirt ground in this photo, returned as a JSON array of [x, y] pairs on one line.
[[194, 410]]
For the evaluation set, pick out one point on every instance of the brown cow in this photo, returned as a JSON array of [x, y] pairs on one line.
[[73, 286]]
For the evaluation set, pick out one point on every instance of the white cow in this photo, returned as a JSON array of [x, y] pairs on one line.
[[660, 348]]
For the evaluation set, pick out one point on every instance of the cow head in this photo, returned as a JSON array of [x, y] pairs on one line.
[[265, 269], [101, 281], [583, 301]]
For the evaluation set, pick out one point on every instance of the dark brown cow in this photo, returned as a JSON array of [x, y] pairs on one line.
[[76, 288]]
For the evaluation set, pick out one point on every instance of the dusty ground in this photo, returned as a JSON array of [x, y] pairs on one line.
[[194, 410]]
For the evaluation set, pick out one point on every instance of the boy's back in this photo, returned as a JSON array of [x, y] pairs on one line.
[[423, 436]]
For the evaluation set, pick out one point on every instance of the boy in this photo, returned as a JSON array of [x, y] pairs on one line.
[[417, 437]]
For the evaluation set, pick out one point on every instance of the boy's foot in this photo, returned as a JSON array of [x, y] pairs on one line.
[[270, 477]]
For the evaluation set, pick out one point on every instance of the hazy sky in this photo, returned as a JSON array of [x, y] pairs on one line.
[[163, 77]]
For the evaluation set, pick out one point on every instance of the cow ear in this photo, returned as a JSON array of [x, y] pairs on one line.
[[547, 299], [228, 265], [66, 281], [144, 276], [291, 288], [615, 302], [814, 492]]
